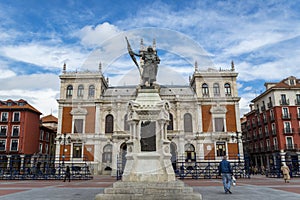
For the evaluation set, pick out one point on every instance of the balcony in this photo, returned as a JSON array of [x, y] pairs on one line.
[[283, 102], [2, 134], [270, 104], [267, 133], [15, 135], [265, 120], [259, 123], [274, 147], [288, 131], [291, 147], [286, 116]]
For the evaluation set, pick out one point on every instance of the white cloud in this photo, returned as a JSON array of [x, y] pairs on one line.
[[249, 88], [33, 81], [43, 100], [95, 36], [44, 56], [5, 71]]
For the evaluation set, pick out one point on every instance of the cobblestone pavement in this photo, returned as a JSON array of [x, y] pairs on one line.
[[211, 189]]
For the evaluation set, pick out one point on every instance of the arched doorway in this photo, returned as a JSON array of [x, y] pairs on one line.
[[123, 152], [173, 148], [190, 154], [107, 157]]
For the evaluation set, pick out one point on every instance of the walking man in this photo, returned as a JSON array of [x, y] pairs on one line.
[[67, 174], [226, 172]]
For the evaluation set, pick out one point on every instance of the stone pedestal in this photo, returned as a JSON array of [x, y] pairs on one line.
[[172, 190], [148, 166], [148, 172]]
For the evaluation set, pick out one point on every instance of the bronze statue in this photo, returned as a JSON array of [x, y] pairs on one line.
[[149, 64]]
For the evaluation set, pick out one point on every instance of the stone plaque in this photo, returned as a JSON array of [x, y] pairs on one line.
[[148, 136]]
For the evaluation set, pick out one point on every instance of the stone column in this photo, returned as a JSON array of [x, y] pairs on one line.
[[97, 120], [199, 116], [57, 153], [177, 125], [22, 167], [8, 161], [98, 156], [201, 150], [298, 153], [181, 145], [282, 156], [114, 159], [60, 114]]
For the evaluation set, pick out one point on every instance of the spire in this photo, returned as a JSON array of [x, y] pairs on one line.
[[154, 44], [64, 68], [142, 45], [232, 66], [100, 67], [196, 66]]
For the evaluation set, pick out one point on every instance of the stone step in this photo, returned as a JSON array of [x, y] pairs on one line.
[[190, 196], [172, 190], [170, 184], [147, 191]]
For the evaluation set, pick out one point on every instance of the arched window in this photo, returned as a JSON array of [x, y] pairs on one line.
[[227, 89], [126, 125], [91, 91], [69, 91], [109, 124], [216, 88], [205, 90], [170, 125], [80, 91], [190, 154], [107, 153], [188, 123]]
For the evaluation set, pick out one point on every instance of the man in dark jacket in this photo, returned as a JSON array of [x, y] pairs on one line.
[[226, 172]]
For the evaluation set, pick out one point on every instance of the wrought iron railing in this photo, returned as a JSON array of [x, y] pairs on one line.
[[44, 169]]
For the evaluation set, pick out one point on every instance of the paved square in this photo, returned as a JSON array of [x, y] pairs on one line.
[[258, 187]]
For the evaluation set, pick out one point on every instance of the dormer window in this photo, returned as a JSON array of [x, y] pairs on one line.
[[205, 90], [69, 91], [216, 89]]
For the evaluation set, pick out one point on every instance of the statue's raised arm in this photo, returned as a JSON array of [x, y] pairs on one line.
[[132, 54]]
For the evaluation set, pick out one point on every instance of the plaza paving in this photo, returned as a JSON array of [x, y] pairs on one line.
[[258, 187]]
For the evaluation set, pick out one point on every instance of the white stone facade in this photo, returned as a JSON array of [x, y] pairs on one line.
[[203, 118]]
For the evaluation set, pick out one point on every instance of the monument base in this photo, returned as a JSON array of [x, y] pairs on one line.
[[148, 191], [148, 167]]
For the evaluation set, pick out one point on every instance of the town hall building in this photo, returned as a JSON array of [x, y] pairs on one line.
[[93, 128]]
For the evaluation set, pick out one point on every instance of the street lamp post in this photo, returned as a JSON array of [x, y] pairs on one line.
[[60, 139], [238, 146]]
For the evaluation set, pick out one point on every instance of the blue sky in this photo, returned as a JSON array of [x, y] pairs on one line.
[[38, 36]]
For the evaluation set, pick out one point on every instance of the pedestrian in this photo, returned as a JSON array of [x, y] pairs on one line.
[[67, 174], [286, 173], [226, 172]]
